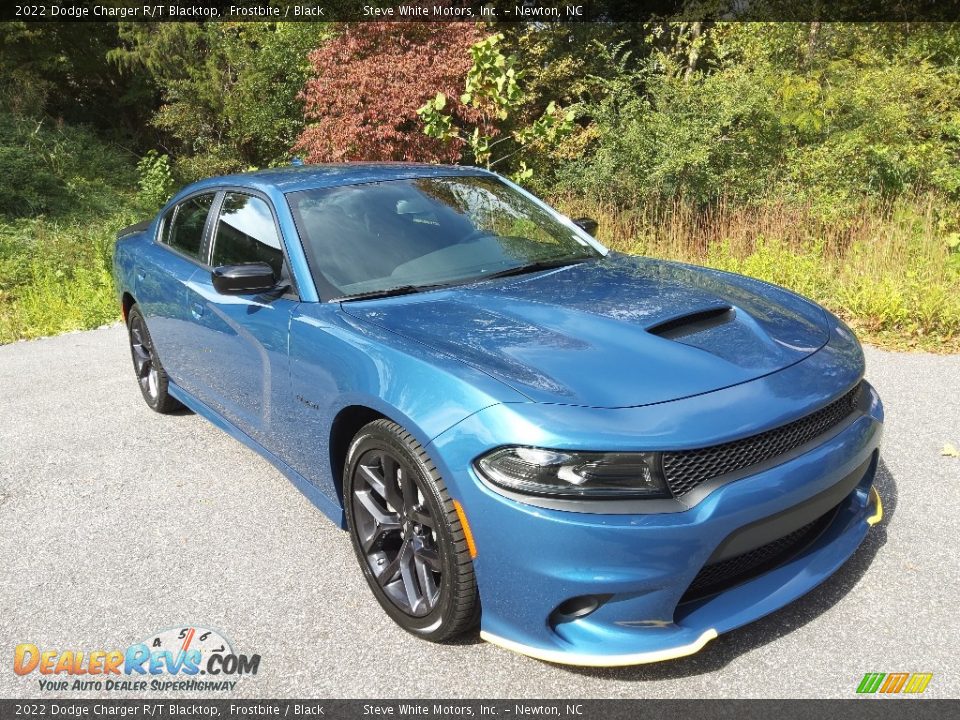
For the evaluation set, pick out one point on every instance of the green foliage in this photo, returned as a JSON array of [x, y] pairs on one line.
[[229, 90], [61, 70], [492, 89], [31, 189], [55, 268], [156, 180], [826, 114], [55, 277], [491, 83], [49, 167]]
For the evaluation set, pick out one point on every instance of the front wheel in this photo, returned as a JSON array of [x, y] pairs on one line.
[[407, 535], [146, 364]]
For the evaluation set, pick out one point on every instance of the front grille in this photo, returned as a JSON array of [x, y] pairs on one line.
[[725, 574], [686, 469]]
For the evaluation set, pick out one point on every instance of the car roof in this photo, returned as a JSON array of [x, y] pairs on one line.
[[307, 177]]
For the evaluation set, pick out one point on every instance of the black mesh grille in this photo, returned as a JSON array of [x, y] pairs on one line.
[[684, 470], [733, 571]]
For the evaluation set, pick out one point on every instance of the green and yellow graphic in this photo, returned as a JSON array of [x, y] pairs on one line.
[[891, 683]]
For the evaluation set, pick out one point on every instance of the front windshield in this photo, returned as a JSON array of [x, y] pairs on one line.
[[362, 239]]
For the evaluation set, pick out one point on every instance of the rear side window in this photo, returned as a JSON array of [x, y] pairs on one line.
[[246, 233], [184, 226]]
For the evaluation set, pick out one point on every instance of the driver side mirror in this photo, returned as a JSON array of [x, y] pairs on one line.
[[245, 279], [587, 223]]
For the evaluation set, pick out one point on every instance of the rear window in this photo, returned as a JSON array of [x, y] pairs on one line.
[[183, 229]]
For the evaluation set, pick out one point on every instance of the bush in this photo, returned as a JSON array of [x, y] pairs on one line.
[[156, 180], [762, 119], [361, 102], [228, 91], [56, 277], [51, 168], [55, 268], [30, 185]]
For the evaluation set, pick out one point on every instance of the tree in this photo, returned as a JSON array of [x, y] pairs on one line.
[[60, 70], [229, 90], [368, 82], [751, 112], [492, 90]]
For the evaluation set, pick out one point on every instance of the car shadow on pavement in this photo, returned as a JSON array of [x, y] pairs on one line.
[[729, 646]]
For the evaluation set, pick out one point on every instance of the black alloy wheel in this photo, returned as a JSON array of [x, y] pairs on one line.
[[407, 535], [397, 532], [146, 364]]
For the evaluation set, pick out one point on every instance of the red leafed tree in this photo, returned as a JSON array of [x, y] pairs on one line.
[[369, 82]]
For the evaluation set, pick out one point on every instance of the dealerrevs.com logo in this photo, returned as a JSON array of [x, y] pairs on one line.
[[192, 659]]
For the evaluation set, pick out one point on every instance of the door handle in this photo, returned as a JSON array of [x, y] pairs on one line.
[[196, 309]]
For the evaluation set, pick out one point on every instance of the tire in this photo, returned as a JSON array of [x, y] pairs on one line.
[[406, 534], [150, 374]]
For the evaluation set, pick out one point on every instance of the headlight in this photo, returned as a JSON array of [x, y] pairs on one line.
[[574, 474]]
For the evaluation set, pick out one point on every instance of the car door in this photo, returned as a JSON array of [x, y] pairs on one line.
[[242, 338], [162, 285]]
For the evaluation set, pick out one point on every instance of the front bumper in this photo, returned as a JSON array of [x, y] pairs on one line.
[[532, 560]]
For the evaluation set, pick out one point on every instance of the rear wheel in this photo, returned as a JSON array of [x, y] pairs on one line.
[[150, 374], [406, 534]]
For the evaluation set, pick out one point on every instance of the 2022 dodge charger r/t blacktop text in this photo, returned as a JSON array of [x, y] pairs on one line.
[[616, 458]]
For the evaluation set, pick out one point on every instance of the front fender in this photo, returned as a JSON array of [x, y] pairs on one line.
[[337, 361]]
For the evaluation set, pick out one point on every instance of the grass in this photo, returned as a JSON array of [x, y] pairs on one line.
[[892, 272], [67, 192], [55, 275]]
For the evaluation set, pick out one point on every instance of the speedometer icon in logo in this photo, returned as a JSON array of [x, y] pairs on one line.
[[181, 640]]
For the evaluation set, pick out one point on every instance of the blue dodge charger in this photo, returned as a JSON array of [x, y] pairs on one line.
[[600, 459]]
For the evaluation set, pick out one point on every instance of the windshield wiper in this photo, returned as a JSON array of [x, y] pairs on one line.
[[535, 266], [411, 289], [387, 292]]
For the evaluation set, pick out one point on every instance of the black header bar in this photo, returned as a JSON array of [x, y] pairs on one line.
[[498, 11]]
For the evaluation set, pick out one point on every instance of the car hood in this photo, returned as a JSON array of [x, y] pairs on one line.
[[620, 331]]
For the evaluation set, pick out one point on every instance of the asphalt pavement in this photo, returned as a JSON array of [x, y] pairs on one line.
[[118, 522]]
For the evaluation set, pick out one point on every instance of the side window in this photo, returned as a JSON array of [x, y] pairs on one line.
[[183, 228], [246, 234]]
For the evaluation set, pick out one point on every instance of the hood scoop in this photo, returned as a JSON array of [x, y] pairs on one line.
[[693, 322], [593, 334]]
